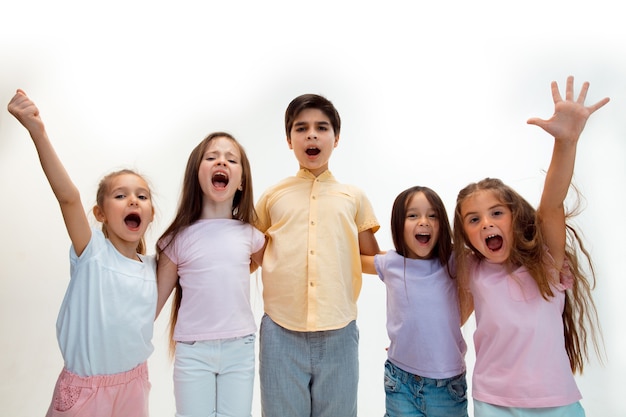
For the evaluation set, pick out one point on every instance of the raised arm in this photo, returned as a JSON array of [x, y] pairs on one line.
[[565, 125], [65, 191]]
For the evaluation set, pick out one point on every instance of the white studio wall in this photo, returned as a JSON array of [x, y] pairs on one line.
[[435, 95]]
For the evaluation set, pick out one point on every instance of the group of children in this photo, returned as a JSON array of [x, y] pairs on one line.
[[514, 266]]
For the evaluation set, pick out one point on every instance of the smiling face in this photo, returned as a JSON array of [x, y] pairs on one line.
[[220, 172], [125, 207], [487, 223], [312, 140], [421, 227]]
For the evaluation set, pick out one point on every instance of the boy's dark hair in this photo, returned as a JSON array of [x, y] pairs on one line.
[[311, 101]]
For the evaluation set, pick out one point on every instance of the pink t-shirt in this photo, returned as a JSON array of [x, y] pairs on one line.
[[213, 259], [520, 349]]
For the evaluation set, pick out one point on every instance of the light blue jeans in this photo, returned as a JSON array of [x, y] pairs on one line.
[[308, 374], [482, 409], [411, 395], [214, 377]]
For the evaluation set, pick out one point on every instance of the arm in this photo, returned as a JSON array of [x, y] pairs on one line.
[[368, 245], [256, 259], [66, 193], [367, 264], [565, 125], [167, 277]]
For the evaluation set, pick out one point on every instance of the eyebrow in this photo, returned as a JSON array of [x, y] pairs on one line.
[[321, 122]]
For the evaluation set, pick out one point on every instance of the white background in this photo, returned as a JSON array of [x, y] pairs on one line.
[[432, 93]]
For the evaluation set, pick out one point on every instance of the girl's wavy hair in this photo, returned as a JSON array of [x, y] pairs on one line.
[[580, 319], [103, 189], [190, 208]]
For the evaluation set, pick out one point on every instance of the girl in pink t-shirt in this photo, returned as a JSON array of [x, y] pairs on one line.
[[518, 268], [207, 254]]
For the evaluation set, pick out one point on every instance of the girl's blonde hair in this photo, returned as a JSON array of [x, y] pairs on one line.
[[103, 189], [580, 319]]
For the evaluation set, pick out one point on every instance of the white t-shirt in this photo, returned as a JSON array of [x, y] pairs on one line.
[[213, 259], [106, 319]]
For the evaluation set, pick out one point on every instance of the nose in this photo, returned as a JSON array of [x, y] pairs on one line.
[[485, 223], [312, 134]]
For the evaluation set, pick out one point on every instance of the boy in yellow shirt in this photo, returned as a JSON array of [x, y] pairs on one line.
[[316, 228]]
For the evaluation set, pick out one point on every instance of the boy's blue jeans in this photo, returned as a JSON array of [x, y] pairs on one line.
[[306, 374], [412, 395]]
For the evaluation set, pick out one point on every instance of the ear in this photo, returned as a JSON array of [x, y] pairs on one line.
[[336, 141], [289, 142], [99, 214]]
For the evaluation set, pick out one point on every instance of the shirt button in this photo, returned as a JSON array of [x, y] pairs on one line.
[[312, 223]]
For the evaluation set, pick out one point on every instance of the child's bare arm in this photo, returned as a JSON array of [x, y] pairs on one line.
[[565, 125], [167, 277], [368, 245], [27, 113]]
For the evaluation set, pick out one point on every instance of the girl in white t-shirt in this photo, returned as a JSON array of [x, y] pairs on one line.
[[104, 328], [518, 268], [207, 255]]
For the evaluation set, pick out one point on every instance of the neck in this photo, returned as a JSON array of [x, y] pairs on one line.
[[217, 210]]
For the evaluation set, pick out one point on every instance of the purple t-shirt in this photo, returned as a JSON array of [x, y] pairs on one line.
[[423, 320]]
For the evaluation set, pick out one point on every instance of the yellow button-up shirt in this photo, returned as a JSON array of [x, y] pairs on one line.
[[312, 268]]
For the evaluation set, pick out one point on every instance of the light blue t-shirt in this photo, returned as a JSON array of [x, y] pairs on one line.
[[106, 319], [423, 320]]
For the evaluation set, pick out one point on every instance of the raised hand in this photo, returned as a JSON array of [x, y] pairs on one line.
[[570, 116], [25, 111]]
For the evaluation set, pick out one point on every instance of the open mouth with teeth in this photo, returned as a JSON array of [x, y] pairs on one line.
[[133, 221], [423, 237], [219, 180], [494, 242], [312, 151]]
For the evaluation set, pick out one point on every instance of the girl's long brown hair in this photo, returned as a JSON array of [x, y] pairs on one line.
[[580, 319], [190, 209]]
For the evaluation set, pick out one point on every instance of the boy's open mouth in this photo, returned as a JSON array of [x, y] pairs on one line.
[[219, 180], [132, 220], [494, 242], [313, 151]]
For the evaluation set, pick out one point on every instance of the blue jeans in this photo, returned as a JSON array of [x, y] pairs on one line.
[[214, 377], [489, 410], [308, 374], [412, 395]]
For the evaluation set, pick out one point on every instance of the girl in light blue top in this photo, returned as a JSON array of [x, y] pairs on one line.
[[425, 368]]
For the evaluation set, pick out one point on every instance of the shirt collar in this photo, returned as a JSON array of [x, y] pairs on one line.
[[306, 174]]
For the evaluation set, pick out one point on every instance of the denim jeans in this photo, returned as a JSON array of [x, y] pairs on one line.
[[308, 374], [412, 395], [214, 377], [482, 409]]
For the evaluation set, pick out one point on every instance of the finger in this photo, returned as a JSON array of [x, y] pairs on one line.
[[569, 89], [599, 104], [537, 122], [556, 95], [583, 93]]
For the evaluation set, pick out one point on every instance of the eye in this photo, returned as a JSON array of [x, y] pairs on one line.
[[411, 216], [472, 220], [233, 161], [323, 128], [299, 129], [432, 216], [119, 196], [143, 197]]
